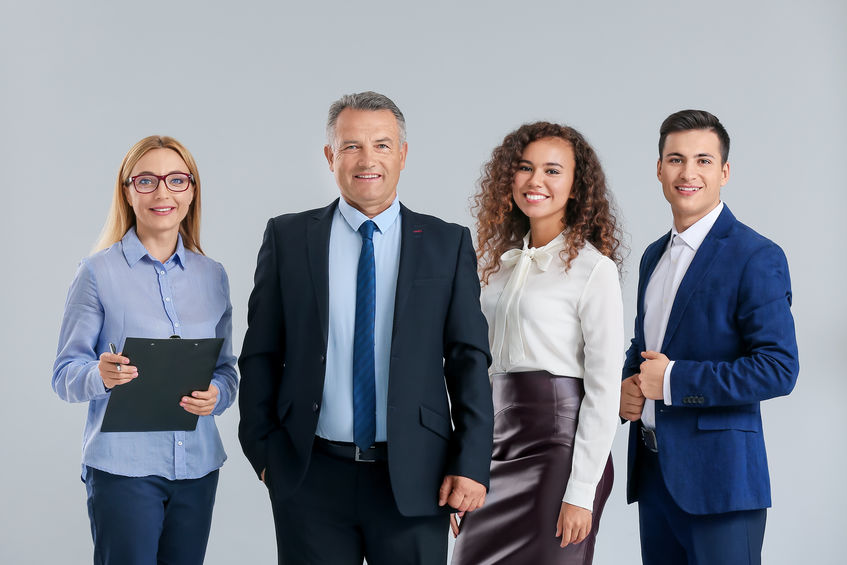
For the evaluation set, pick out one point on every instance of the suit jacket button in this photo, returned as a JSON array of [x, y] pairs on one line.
[[315, 407], [323, 359]]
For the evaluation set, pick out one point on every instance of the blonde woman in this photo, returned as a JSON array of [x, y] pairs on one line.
[[150, 494]]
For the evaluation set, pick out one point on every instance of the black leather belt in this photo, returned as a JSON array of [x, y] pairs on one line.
[[648, 438], [350, 451]]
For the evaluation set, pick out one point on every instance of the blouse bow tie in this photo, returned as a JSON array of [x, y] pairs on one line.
[[508, 346]]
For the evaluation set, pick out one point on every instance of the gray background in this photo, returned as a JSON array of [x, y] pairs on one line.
[[246, 88]]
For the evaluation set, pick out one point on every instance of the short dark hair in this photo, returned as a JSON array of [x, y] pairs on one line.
[[686, 120], [368, 100]]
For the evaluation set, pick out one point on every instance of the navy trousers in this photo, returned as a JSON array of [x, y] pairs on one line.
[[671, 536], [149, 520]]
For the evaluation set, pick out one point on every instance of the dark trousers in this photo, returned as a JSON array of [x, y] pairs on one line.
[[149, 520], [345, 512], [671, 536]]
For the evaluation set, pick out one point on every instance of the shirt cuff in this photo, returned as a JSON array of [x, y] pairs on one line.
[[580, 494], [666, 385]]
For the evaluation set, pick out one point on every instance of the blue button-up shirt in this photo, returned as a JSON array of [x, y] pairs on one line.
[[336, 418], [124, 292]]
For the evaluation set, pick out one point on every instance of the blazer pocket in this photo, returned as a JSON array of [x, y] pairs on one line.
[[743, 421], [435, 422]]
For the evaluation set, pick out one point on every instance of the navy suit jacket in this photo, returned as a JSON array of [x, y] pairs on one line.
[[731, 335], [439, 345]]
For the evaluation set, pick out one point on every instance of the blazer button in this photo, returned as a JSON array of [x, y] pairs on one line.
[[315, 407], [323, 359]]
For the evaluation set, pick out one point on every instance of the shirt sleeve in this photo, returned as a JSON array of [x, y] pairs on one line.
[[666, 385], [600, 312], [76, 377], [225, 377]]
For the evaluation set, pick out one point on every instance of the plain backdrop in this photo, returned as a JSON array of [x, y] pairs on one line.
[[246, 87]]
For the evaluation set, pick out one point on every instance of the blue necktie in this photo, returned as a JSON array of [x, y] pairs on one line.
[[364, 391]]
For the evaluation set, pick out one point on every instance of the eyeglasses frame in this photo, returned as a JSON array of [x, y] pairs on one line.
[[161, 179]]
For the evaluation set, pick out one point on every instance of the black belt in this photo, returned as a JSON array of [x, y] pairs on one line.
[[648, 438], [350, 451]]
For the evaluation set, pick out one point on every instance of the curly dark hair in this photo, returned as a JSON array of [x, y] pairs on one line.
[[589, 214]]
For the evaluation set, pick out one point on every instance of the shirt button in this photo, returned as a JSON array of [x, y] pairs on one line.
[[167, 299], [179, 443], [161, 272], [176, 325]]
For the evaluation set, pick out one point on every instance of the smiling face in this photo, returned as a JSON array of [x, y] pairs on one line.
[[367, 158], [692, 175], [542, 185], [159, 213]]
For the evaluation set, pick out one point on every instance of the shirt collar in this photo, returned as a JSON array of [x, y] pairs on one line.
[[134, 250], [355, 218], [557, 241], [693, 237]]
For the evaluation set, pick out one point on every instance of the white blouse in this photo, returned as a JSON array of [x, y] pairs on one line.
[[570, 324]]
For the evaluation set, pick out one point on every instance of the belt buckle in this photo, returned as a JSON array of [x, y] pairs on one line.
[[649, 438], [358, 456]]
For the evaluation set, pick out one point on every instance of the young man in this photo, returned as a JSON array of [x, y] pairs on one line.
[[714, 336], [364, 317]]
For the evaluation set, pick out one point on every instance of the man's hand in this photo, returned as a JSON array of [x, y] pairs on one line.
[[201, 402], [653, 374], [632, 399], [461, 493], [574, 524], [454, 522]]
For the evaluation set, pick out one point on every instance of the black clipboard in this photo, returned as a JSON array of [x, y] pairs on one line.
[[168, 369]]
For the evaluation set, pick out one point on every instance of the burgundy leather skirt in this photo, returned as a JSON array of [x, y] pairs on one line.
[[535, 419]]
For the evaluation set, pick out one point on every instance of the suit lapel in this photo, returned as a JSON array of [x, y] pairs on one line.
[[317, 245], [705, 257], [410, 241]]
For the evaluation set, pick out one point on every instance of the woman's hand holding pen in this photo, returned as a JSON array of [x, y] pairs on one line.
[[201, 402], [115, 370]]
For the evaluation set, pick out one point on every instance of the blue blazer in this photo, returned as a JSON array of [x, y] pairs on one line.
[[731, 335], [440, 417]]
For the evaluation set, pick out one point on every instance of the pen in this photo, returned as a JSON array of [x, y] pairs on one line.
[[113, 349]]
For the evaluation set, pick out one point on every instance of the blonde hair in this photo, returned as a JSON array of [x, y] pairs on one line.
[[121, 215]]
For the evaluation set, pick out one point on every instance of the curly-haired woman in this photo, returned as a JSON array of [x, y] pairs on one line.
[[549, 246]]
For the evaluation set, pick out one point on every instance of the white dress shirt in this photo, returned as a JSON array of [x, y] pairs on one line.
[[661, 293], [569, 323]]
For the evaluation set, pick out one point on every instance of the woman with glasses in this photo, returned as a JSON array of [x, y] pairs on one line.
[[548, 244], [150, 494]]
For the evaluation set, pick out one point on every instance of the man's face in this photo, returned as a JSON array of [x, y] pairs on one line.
[[692, 174], [367, 158]]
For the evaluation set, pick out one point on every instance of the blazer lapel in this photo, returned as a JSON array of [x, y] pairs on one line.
[[703, 260], [410, 241], [317, 245]]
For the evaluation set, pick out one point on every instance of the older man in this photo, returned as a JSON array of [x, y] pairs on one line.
[[365, 402]]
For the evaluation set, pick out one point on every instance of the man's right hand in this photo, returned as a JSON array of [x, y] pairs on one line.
[[632, 399]]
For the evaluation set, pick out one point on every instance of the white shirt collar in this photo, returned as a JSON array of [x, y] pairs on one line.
[[693, 236]]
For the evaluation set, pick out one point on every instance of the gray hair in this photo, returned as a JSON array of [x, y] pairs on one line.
[[369, 100]]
